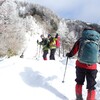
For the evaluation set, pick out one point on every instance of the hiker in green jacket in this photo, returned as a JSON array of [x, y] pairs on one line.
[[45, 45]]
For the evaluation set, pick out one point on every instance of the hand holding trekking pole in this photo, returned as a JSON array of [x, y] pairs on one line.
[[68, 55]]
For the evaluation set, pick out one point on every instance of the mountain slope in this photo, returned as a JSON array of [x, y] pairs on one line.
[[21, 21]]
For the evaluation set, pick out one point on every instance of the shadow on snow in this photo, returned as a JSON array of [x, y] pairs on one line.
[[34, 79]]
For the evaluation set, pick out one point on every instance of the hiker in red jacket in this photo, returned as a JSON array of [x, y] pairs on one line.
[[84, 70]]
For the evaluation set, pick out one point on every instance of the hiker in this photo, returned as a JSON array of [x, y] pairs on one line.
[[86, 67], [52, 46], [44, 43]]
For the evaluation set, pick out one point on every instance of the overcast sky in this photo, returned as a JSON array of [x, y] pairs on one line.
[[85, 10]]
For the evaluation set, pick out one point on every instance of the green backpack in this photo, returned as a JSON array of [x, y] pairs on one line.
[[89, 47]]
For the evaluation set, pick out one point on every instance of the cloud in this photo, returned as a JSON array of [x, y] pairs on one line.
[[86, 10], [89, 11]]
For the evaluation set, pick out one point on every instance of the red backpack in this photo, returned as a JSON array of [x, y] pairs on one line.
[[58, 42]]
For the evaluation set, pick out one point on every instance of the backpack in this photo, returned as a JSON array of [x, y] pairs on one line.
[[58, 42], [89, 47]]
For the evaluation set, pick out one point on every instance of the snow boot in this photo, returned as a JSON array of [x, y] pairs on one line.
[[44, 58], [78, 90], [91, 95]]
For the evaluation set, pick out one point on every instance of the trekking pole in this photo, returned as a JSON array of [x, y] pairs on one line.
[[37, 52], [65, 71]]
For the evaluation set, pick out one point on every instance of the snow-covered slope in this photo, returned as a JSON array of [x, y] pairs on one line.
[[29, 79]]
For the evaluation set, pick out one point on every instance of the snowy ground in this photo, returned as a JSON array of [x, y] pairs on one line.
[[30, 79]]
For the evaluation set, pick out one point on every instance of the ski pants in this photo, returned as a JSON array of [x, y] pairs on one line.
[[52, 54], [45, 52], [90, 76]]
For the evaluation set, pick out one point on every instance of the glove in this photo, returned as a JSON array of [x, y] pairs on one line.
[[37, 41], [68, 55]]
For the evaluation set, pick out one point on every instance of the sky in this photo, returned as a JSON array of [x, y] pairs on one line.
[[32, 78], [85, 10]]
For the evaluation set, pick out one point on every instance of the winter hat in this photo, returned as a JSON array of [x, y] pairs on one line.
[[42, 36], [49, 35]]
